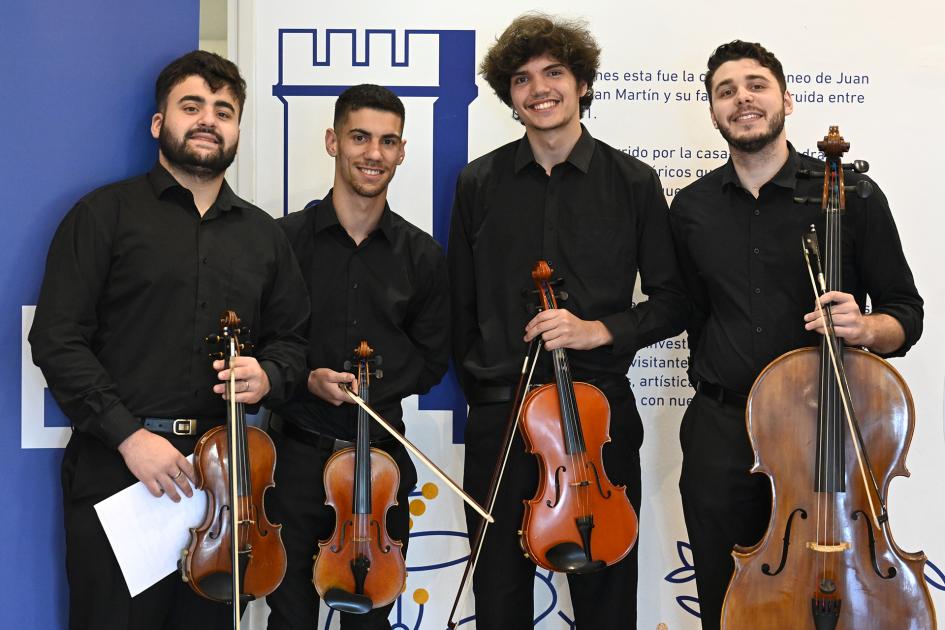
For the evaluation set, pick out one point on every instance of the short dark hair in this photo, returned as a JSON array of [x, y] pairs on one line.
[[367, 95], [735, 50], [534, 34], [211, 67]]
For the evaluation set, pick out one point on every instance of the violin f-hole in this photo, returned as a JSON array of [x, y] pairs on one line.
[[558, 471]]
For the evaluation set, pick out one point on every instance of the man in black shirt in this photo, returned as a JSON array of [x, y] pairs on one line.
[[375, 277], [737, 232], [137, 276], [597, 216]]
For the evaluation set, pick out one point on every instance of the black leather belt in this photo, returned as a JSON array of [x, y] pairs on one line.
[[720, 394], [179, 426], [326, 442], [489, 394]]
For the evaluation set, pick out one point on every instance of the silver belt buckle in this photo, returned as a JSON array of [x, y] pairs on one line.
[[184, 426]]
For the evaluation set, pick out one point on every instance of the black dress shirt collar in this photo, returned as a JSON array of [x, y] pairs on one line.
[[326, 217], [161, 181], [786, 177], [580, 155]]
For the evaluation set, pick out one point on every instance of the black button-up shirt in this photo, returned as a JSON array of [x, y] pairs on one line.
[[391, 291], [744, 268], [136, 279], [597, 219]]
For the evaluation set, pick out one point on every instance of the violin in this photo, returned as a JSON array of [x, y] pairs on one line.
[[831, 427], [360, 567], [578, 521], [234, 464]]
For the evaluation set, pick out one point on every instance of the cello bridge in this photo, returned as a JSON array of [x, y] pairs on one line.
[[828, 548]]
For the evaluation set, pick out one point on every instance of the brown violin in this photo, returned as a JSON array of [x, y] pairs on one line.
[[831, 427], [234, 464], [360, 567], [578, 521]]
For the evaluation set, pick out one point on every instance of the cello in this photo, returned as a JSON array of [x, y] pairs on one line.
[[831, 427], [234, 464], [578, 521], [360, 567]]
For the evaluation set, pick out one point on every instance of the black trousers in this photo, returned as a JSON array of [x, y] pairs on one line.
[[98, 595], [504, 580], [723, 503], [298, 503]]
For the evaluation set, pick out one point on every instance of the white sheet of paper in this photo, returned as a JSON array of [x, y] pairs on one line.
[[148, 533]]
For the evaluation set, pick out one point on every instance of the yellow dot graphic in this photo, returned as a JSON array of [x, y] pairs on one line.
[[410, 525], [417, 507], [421, 596], [429, 491], [662, 626]]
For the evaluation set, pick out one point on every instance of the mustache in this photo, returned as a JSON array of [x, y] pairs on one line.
[[207, 130]]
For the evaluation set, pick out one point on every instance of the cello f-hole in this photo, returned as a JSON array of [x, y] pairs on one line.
[[786, 542], [891, 571]]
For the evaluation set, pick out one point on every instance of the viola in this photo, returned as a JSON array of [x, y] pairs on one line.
[[360, 567], [831, 426], [234, 464], [578, 521]]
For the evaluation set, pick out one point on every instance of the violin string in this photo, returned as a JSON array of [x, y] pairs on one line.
[[570, 418]]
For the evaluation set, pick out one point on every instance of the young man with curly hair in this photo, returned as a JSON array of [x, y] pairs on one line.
[[598, 216]]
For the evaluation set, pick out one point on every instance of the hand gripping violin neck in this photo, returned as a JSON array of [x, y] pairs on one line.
[[831, 427], [578, 521], [360, 567], [234, 463]]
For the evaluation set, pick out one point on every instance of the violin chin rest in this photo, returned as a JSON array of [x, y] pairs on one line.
[[569, 557], [343, 601]]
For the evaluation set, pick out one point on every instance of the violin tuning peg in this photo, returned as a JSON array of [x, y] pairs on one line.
[[212, 339], [857, 166], [214, 356], [379, 374], [246, 347], [347, 366], [863, 188], [562, 296], [378, 360]]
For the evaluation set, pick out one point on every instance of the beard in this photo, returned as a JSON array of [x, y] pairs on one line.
[[179, 155], [755, 143]]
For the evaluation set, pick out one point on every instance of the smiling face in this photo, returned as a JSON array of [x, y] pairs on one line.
[[198, 131], [546, 95], [748, 107], [367, 149]]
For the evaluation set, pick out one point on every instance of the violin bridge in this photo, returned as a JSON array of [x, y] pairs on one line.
[[828, 548]]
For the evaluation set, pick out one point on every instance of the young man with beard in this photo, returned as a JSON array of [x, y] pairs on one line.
[[137, 276], [375, 277], [598, 217], [738, 233]]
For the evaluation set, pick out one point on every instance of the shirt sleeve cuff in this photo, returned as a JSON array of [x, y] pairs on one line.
[[276, 382], [116, 425], [621, 329]]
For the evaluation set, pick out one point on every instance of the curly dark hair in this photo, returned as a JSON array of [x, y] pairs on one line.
[[367, 95], [534, 34], [211, 67], [733, 51]]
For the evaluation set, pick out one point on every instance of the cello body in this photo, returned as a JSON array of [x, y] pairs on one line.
[[819, 532]]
